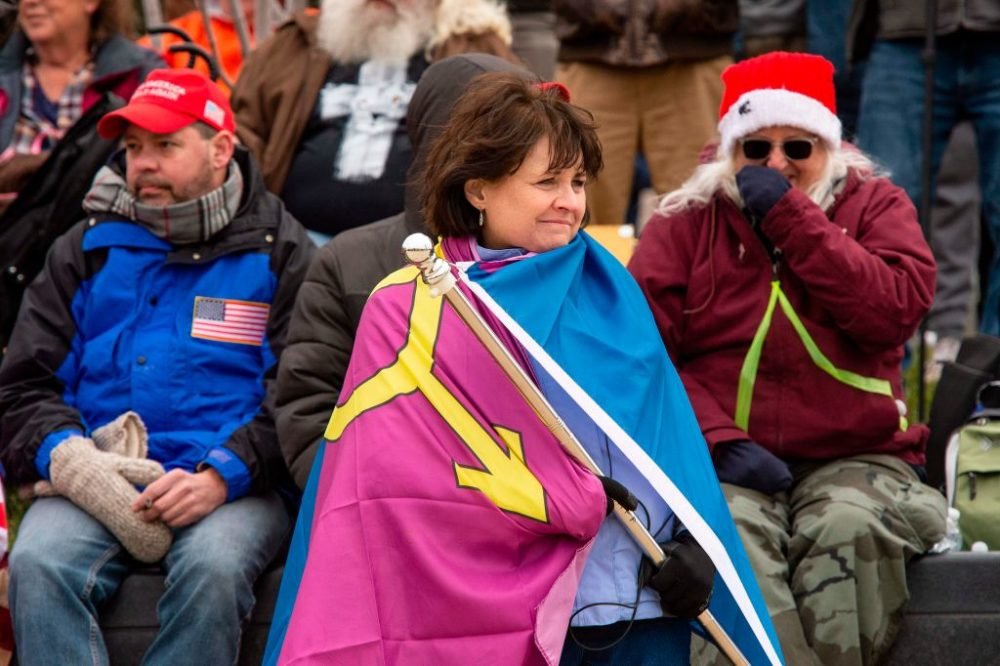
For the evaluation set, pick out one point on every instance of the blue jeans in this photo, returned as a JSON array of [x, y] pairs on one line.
[[966, 86], [657, 642], [65, 565], [826, 27]]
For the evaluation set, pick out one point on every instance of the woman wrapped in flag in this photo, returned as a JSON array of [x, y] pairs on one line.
[[443, 523]]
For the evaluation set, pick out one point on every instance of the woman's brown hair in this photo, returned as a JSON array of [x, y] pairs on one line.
[[491, 130]]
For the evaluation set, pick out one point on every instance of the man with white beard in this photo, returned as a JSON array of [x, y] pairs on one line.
[[322, 104]]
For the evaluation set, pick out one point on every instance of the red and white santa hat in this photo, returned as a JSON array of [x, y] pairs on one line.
[[779, 88]]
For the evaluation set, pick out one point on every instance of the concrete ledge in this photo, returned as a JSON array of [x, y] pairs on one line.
[[955, 583], [954, 612], [953, 616]]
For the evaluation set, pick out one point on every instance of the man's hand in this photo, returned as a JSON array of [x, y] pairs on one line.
[[181, 498]]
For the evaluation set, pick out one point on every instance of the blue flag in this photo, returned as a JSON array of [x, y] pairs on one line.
[[583, 320], [295, 563]]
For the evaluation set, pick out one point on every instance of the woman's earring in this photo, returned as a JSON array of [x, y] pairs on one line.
[[482, 218]]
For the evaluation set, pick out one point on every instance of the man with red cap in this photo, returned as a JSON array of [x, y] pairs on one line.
[[785, 276], [136, 391]]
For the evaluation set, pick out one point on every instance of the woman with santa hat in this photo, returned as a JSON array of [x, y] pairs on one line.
[[785, 276]]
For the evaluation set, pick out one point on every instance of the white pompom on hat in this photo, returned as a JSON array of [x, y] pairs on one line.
[[779, 88]]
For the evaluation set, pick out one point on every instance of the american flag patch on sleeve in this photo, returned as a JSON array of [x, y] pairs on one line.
[[227, 320]]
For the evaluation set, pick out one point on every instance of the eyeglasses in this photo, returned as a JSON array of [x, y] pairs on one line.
[[756, 150]]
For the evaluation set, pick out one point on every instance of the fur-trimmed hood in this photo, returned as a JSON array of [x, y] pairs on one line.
[[469, 17]]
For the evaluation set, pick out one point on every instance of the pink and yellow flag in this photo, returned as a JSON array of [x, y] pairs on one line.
[[6, 628], [444, 524]]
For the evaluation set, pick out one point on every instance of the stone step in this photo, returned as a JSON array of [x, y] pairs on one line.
[[953, 616]]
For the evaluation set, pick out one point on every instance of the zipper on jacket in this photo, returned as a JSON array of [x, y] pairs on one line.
[[972, 485]]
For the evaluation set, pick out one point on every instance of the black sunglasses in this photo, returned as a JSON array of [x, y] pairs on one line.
[[794, 149]]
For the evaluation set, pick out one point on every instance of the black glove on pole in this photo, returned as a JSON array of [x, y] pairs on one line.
[[684, 580], [616, 492]]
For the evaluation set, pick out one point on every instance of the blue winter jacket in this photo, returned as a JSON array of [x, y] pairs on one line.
[[122, 320]]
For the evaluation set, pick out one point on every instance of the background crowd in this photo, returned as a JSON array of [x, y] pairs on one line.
[[333, 112], [648, 72]]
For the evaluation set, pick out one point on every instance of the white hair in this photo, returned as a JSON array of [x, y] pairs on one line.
[[719, 175], [351, 31], [470, 17]]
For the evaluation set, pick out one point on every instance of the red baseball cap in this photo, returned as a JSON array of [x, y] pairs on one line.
[[170, 100]]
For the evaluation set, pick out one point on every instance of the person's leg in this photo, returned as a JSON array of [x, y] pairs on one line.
[[890, 125], [980, 85], [535, 41], [611, 94], [891, 119], [954, 239], [63, 567], [826, 26], [680, 111], [856, 523], [763, 525], [211, 571]]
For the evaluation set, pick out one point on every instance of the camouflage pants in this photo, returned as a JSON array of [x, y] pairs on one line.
[[830, 556]]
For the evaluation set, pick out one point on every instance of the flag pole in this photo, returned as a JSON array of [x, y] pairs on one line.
[[436, 272]]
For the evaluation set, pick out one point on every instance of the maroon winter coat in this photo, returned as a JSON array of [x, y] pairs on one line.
[[860, 278]]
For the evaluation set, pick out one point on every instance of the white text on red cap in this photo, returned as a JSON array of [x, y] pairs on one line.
[[165, 89]]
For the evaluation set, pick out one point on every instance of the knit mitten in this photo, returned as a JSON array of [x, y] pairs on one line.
[[103, 485], [126, 436]]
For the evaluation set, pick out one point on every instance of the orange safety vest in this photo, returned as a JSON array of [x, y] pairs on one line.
[[227, 40]]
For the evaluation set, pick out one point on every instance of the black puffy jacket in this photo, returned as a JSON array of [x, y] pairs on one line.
[[344, 272], [47, 207], [49, 203]]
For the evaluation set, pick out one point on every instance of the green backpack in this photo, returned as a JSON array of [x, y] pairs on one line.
[[972, 476]]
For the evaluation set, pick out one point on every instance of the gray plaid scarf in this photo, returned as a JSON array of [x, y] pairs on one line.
[[182, 223]]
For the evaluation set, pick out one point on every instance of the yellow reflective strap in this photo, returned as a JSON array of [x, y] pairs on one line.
[[748, 374], [867, 384]]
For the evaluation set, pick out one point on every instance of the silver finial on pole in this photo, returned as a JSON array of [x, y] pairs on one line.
[[418, 249]]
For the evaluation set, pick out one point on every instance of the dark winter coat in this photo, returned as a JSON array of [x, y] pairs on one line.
[[344, 272], [871, 19], [641, 33], [281, 80], [49, 202], [108, 326]]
